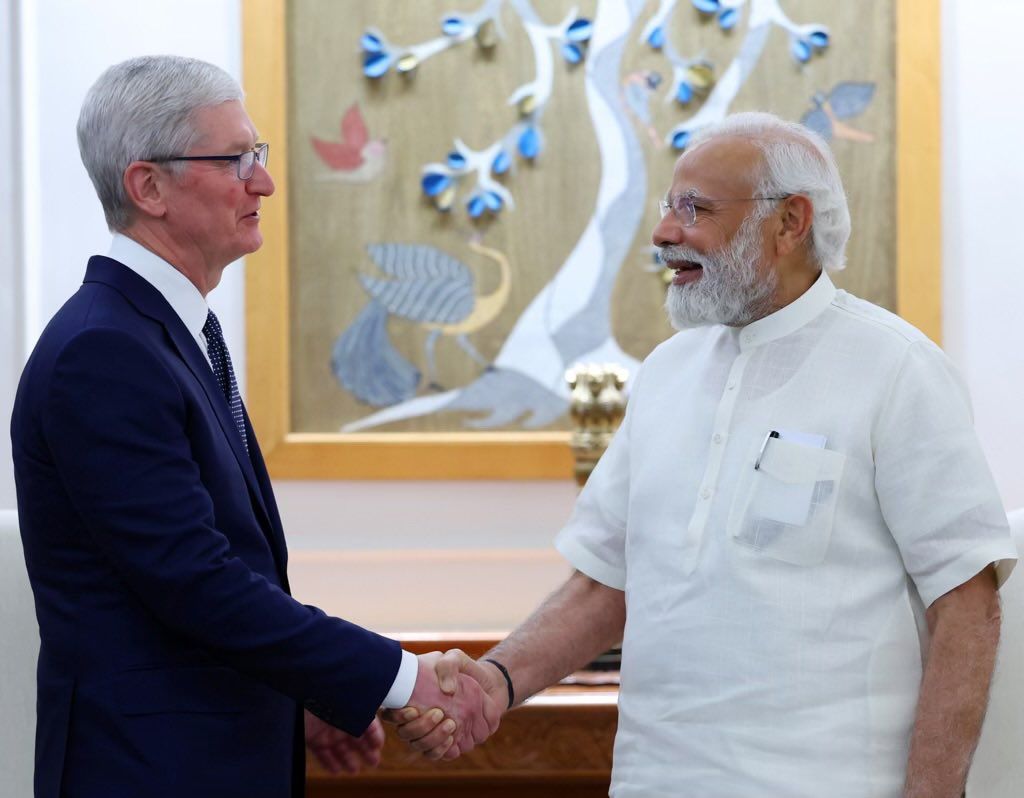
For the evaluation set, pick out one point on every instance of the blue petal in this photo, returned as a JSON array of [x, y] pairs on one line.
[[456, 160], [493, 201], [706, 6], [657, 38], [452, 26], [376, 64], [580, 30], [728, 18], [529, 143], [371, 43], [681, 139], [434, 183], [684, 93], [475, 206], [819, 39], [501, 163], [801, 50], [850, 99], [572, 53], [818, 121]]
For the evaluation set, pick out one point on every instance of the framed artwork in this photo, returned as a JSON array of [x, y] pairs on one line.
[[465, 199]]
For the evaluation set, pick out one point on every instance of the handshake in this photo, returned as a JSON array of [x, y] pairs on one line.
[[456, 704]]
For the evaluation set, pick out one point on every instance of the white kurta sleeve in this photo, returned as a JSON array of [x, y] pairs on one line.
[[933, 484]]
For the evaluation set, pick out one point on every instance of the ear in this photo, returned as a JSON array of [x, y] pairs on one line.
[[146, 186], [797, 215]]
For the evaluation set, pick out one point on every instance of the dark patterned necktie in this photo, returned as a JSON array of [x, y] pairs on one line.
[[221, 362]]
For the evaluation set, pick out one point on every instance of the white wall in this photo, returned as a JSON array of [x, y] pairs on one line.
[[11, 345], [481, 551], [983, 217]]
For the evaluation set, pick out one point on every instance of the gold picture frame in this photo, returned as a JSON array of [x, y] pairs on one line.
[[529, 455]]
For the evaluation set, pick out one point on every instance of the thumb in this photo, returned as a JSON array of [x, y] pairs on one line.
[[448, 668]]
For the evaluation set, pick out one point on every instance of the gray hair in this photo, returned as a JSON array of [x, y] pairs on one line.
[[141, 109], [796, 161]]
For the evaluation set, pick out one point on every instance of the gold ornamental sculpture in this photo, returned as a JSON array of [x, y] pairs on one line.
[[596, 406]]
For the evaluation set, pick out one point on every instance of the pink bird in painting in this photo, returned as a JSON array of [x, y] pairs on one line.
[[356, 158]]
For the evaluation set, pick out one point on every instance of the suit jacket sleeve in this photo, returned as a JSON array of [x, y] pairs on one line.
[[117, 425]]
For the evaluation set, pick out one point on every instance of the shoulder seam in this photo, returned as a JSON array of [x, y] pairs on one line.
[[894, 329]]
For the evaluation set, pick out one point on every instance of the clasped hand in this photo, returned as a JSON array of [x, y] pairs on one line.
[[456, 704]]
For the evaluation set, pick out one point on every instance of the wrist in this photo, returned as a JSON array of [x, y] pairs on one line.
[[502, 684]]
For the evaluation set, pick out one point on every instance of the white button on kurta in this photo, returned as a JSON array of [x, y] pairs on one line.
[[771, 644]]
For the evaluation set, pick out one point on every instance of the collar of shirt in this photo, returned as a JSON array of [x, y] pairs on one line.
[[792, 317], [183, 297]]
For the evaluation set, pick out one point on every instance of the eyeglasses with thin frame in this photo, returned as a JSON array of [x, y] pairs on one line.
[[685, 206], [245, 161]]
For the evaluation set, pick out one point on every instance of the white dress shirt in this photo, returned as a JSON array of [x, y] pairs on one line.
[[774, 615], [190, 305]]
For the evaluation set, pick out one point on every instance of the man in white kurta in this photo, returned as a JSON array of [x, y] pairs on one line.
[[771, 645], [795, 499]]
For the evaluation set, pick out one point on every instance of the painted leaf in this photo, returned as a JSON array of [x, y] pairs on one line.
[[453, 25], [366, 363], [572, 53], [407, 63], [434, 183], [680, 139], [684, 93], [819, 38], [580, 30], [728, 18], [801, 50], [707, 6], [476, 206], [426, 284], [375, 65], [529, 143], [456, 160], [493, 201], [371, 43], [501, 163], [444, 201], [487, 34], [850, 99], [818, 121], [656, 39], [700, 76]]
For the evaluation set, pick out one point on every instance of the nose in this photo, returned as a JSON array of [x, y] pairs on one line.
[[261, 182], [667, 231]]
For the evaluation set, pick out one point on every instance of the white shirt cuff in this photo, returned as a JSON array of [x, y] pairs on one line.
[[401, 689]]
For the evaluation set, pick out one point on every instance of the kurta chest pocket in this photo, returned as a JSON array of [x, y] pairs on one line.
[[784, 509]]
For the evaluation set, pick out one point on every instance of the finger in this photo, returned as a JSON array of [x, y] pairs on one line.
[[454, 752], [373, 737], [435, 739], [438, 751], [351, 762], [398, 716], [420, 727], [448, 668], [325, 756]]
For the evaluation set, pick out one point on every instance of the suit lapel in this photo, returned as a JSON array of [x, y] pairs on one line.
[[148, 301]]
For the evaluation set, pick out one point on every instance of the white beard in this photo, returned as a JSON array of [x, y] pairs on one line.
[[735, 287]]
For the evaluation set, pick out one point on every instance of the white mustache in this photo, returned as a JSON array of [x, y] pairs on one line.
[[676, 253]]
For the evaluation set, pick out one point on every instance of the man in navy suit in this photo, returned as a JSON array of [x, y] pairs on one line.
[[173, 660]]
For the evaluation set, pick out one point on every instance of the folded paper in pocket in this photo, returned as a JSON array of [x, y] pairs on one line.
[[789, 500]]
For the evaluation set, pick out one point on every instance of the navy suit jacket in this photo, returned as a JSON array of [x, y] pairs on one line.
[[173, 660]]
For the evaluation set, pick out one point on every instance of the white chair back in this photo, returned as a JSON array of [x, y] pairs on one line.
[[998, 769], [20, 635]]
